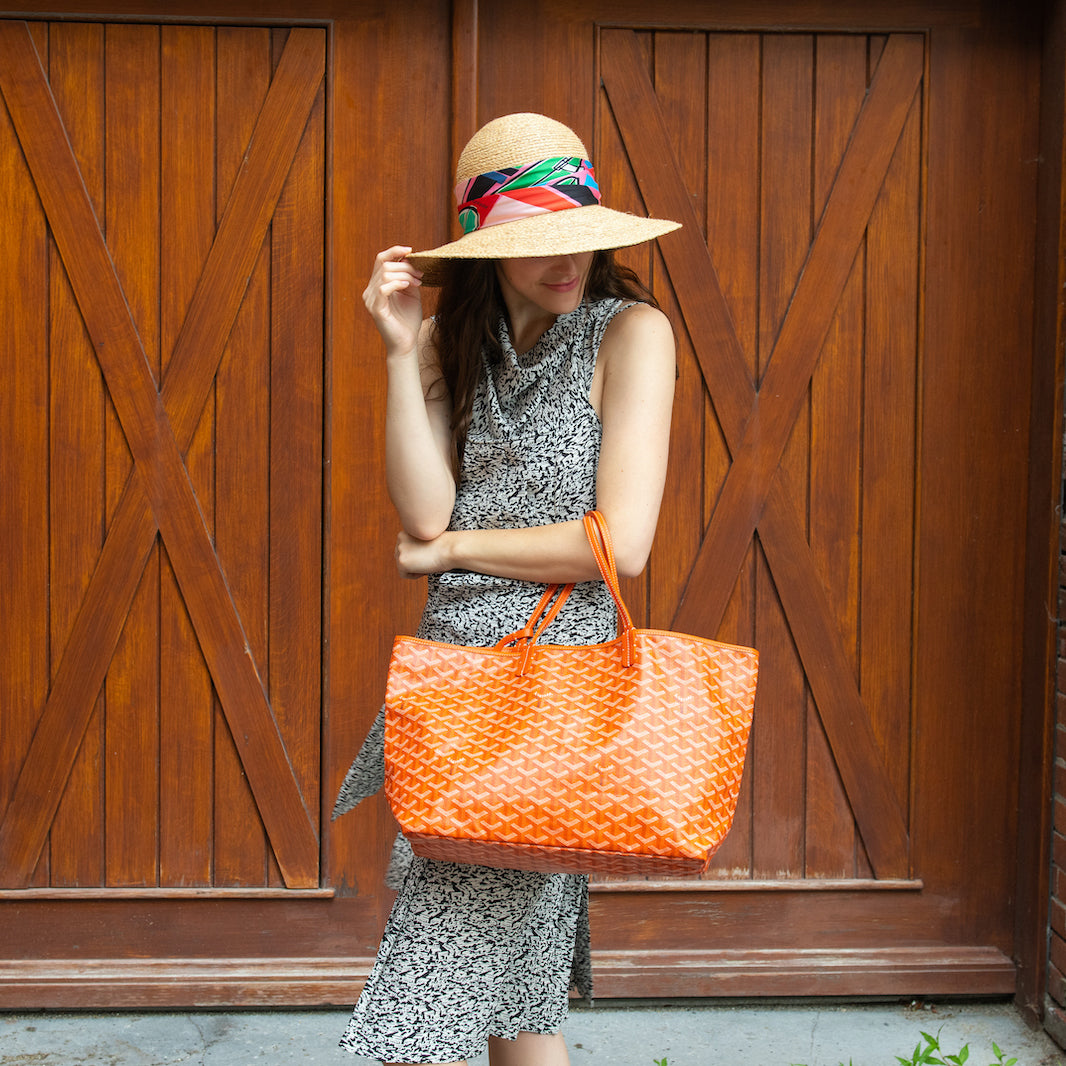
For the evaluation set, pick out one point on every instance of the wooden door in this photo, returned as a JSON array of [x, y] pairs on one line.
[[162, 197], [196, 593], [847, 482], [196, 590]]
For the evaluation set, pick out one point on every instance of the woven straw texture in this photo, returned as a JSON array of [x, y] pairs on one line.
[[516, 140], [561, 758], [513, 141]]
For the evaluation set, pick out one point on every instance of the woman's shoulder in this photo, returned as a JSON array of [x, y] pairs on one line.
[[633, 319], [639, 337]]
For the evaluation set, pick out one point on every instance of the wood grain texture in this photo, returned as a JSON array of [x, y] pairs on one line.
[[242, 459], [122, 313], [77, 468], [187, 204], [945, 401], [973, 454], [812, 627], [141, 411], [367, 604], [834, 441], [1043, 536]]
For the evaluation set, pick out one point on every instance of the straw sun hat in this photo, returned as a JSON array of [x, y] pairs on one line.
[[525, 187]]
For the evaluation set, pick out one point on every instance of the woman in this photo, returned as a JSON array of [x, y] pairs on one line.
[[541, 388]]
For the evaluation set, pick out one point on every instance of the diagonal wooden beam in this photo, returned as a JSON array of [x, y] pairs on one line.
[[693, 274], [192, 368], [757, 453], [702, 302]]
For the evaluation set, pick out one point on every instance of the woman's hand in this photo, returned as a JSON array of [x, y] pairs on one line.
[[416, 558], [394, 301]]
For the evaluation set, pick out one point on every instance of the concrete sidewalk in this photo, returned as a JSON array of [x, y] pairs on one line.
[[609, 1034]]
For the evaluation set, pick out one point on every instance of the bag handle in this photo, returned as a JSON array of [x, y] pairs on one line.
[[599, 537]]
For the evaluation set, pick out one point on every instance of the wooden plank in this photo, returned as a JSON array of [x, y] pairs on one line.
[[890, 434], [1037, 726], [732, 196], [132, 983], [772, 15], [775, 15], [555, 75], [76, 475], [187, 232], [131, 767], [464, 110], [680, 80], [24, 453], [836, 415], [779, 772], [242, 531], [975, 389], [362, 523], [900, 972], [143, 420], [296, 428]]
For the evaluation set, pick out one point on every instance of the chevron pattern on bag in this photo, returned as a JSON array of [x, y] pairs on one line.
[[560, 758]]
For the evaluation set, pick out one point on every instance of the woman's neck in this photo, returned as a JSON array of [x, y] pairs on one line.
[[527, 330]]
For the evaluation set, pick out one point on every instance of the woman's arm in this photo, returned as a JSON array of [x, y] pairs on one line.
[[633, 392], [419, 467]]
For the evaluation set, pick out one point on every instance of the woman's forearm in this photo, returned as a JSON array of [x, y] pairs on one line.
[[553, 553], [420, 479]]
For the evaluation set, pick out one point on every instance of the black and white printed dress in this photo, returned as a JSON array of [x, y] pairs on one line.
[[470, 951]]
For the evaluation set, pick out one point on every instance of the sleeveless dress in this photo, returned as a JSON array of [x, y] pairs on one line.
[[471, 951]]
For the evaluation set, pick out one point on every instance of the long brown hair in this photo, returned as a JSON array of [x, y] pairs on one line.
[[468, 314]]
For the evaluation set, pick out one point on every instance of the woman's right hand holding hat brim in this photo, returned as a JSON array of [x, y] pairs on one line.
[[394, 300]]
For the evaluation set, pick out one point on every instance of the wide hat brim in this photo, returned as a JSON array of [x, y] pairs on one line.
[[570, 232]]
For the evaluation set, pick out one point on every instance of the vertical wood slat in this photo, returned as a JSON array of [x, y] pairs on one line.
[[889, 448], [188, 229], [76, 471], [296, 379], [779, 768], [132, 228], [834, 523], [367, 605], [734, 74], [24, 650], [17, 816], [680, 78], [975, 380], [464, 111], [242, 456]]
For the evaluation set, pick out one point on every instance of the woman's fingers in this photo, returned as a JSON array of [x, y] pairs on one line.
[[416, 558], [392, 298]]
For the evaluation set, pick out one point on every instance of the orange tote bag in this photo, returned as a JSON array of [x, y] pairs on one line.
[[616, 758]]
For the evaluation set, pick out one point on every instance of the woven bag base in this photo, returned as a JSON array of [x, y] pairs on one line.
[[549, 860]]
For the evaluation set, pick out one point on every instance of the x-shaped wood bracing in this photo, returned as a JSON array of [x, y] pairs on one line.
[[757, 423], [159, 427]]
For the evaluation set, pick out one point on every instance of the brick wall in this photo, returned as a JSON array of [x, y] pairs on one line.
[[1055, 1005]]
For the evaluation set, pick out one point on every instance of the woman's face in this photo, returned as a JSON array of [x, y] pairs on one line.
[[554, 284]]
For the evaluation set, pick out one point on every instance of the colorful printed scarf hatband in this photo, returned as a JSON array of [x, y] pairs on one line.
[[518, 192]]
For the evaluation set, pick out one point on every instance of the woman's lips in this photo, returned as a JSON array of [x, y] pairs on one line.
[[562, 286]]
